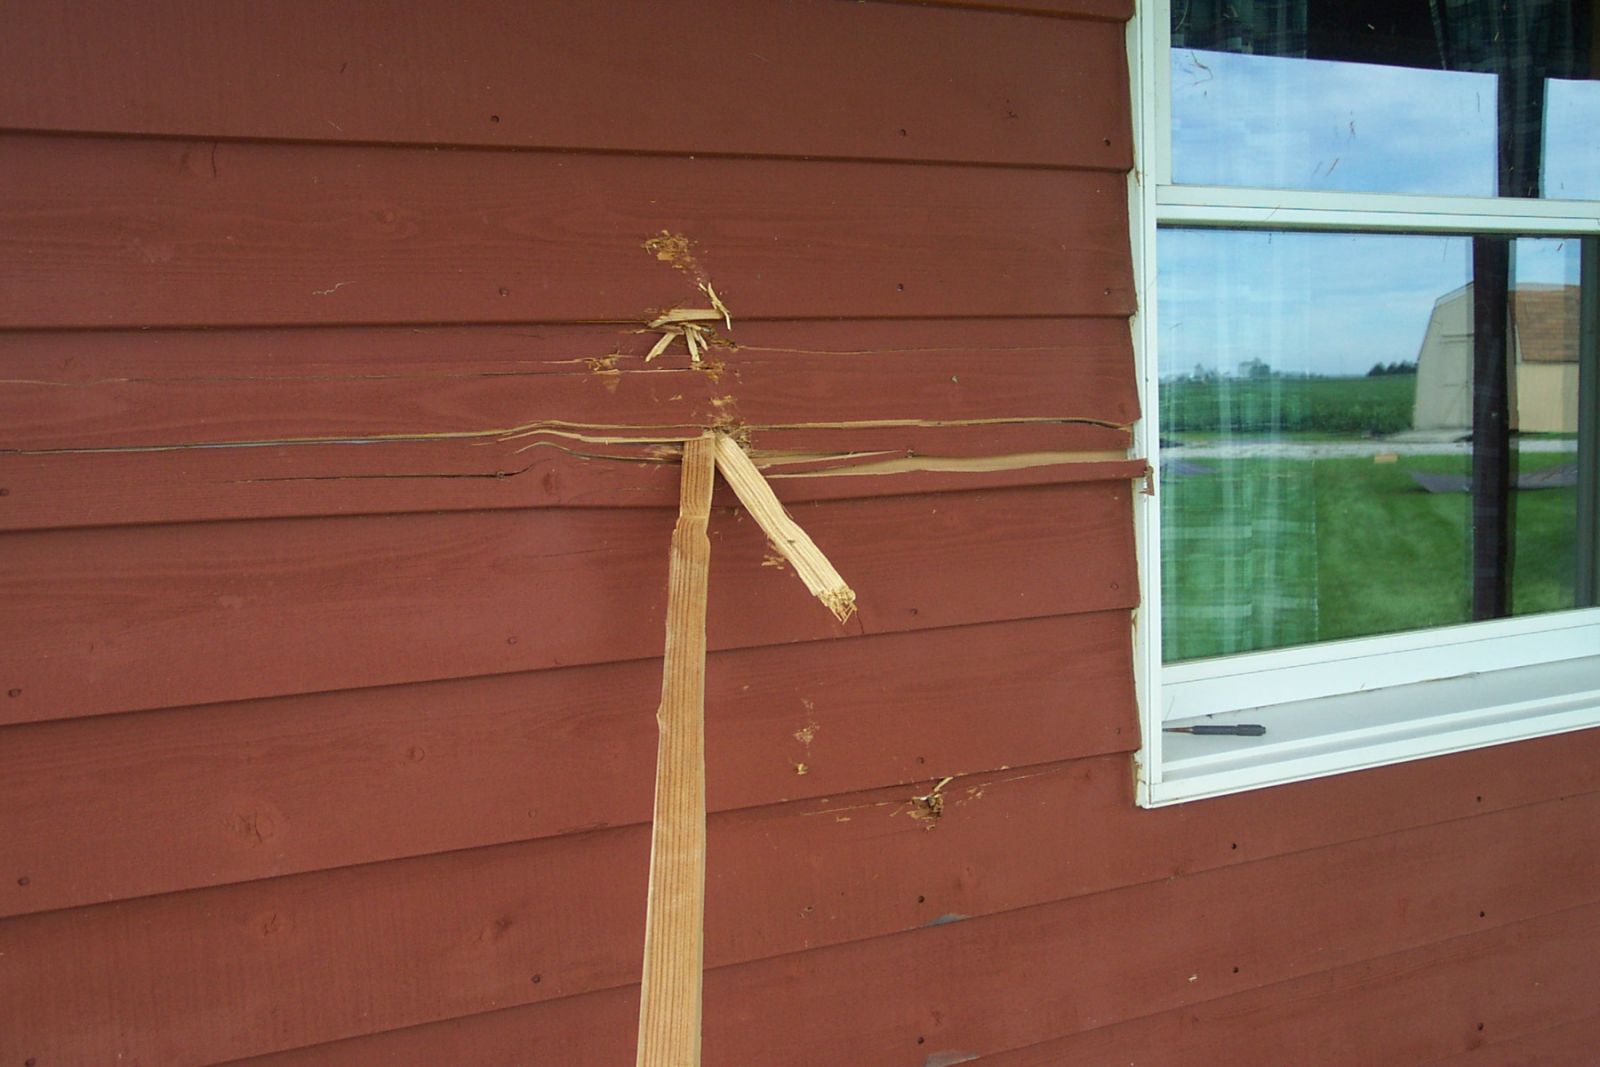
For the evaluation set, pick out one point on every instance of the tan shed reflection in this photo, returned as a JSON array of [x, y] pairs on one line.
[[1544, 382]]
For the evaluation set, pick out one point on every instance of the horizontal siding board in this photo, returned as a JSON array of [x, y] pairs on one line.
[[424, 769], [378, 774], [100, 232], [1569, 1045], [194, 485], [941, 389], [804, 78], [99, 616], [99, 390], [1090, 347], [457, 765], [369, 949], [1435, 1004]]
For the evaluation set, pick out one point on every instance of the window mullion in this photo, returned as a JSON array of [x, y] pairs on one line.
[[1379, 212]]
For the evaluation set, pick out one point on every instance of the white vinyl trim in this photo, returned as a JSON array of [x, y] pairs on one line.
[[1257, 679], [1149, 159], [1204, 205], [1320, 736], [1332, 707]]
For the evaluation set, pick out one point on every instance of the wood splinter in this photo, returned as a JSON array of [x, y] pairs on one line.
[[791, 542], [674, 934]]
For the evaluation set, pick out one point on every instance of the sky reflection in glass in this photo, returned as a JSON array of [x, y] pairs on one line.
[[1328, 304], [1319, 124]]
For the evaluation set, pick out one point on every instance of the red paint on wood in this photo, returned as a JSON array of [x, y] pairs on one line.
[[1426, 1006], [110, 489], [152, 233], [476, 924], [100, 617], [812, 78], [231, 793], [104, 390], [456, 765], [1569, 1045]]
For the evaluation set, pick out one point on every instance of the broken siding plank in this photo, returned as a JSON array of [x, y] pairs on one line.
[[934, 388], [1097, 349], [151, 233], [893, 82], [86, 390], [445, 766], [270, 608], [142, 488], [479, 924]]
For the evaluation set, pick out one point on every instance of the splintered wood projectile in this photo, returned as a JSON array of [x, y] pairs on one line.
[[674, 930], [674, 934], [791, 542]]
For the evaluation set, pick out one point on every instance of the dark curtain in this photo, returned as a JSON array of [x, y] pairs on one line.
[[1249, 27], [1524, 43]]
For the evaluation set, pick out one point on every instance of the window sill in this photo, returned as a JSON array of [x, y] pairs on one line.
[[1355, 731]]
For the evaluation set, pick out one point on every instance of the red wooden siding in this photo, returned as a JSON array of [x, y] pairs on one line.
[[195, 233], [807, 78], [334, 504]]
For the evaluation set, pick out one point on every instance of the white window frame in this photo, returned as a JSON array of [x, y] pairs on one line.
[[1335, 706]]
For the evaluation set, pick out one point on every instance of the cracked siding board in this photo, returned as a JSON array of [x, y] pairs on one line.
[[881, 81], [475, 932], [100, 389], [462, 764], [266, 608], [122, 489], [150, 233]]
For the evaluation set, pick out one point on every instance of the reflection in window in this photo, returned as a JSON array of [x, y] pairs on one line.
[[1332, 462], [1447, 97]]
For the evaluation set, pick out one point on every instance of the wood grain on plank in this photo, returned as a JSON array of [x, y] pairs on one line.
[[674, 928], [179, 233], [1428, 1005], [1094, 351], [190, 969], [196, 485], [785, 537], [1570, 1044], [456, 765], [805, 78], [100, 617], [114, 389], [453, 765]]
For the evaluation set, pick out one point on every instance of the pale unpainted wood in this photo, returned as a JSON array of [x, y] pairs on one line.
[[674, 938], [790, 541]]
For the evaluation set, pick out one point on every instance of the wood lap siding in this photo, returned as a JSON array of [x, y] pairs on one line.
[[328, 721]]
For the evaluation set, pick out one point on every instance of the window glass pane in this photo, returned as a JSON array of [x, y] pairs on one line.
[[1446, 97], [1572, 143], [1331, 465]]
